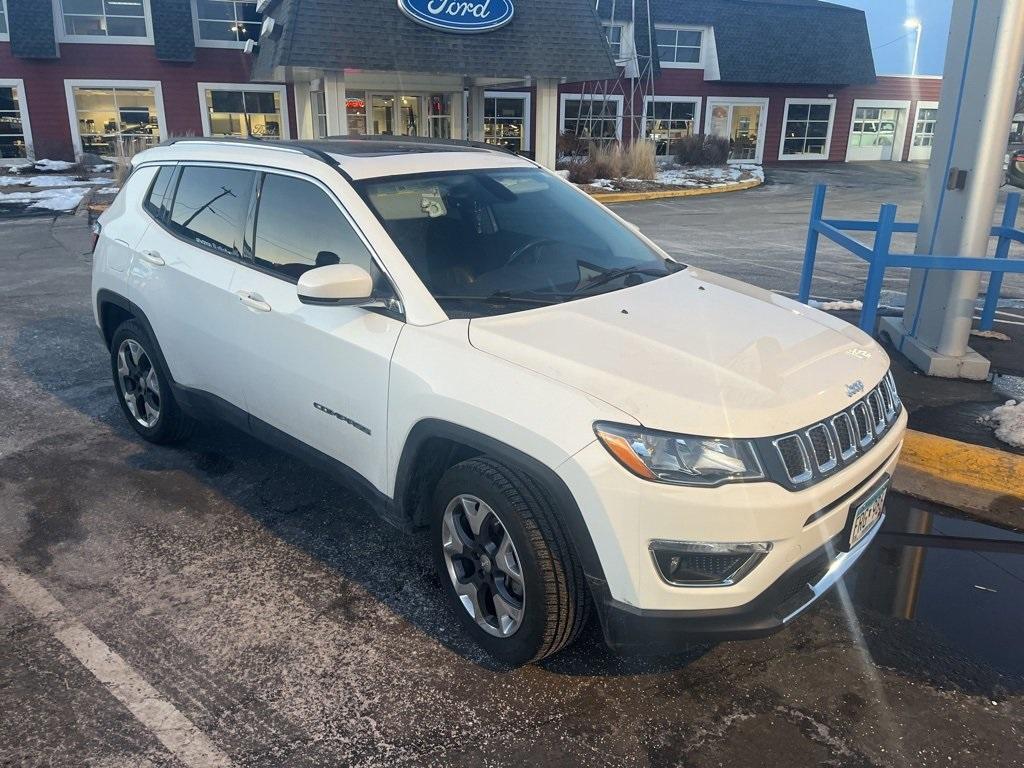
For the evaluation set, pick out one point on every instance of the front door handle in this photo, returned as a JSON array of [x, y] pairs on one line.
[[152, 257], [253, 301]]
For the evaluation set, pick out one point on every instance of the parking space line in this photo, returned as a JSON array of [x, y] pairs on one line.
[[175, 731]]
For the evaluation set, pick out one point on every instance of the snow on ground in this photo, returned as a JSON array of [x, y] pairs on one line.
[[52, 165], [692, 176], [836, 306], [1008, 421], [49, 199], [996, 335], [108, 190], [49, 181]]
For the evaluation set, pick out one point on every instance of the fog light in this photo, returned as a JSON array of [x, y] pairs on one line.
[[706, 564]]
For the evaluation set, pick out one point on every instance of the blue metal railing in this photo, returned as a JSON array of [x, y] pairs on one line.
[[879, 257]]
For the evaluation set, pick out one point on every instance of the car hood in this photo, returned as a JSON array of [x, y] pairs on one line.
[[695, 353]]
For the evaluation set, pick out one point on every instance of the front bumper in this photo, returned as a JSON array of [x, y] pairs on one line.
[[634, 630]]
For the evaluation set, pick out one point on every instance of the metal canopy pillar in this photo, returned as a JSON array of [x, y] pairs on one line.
[[982, 69]]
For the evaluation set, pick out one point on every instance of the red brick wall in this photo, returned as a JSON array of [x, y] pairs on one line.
[[47, 102], [690, 82]]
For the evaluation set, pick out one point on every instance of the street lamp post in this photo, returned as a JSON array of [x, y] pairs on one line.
[[914, 24]]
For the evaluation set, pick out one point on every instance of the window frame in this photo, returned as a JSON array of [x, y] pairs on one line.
[[26, 127], [832, 104], [280, 88], [697, 112], [252, 212], [921, 107], [702, 59], [201, 42], [64, 37], [607, 27], [69, 92], [581, 97], [5, 36], [524, 96]]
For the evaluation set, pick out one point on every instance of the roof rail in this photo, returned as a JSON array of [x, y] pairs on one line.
[[428, 140], [288, 145]]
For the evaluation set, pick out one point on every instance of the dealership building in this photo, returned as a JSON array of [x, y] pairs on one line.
[[784, 80]]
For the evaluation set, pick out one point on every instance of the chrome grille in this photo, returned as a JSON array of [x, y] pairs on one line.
[[812, 453]]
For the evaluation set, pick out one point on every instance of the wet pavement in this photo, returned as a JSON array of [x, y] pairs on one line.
[[265, 603]]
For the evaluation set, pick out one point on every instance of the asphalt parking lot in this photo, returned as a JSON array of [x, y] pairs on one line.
[[258, 613]]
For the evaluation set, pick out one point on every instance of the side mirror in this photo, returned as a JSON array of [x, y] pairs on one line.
[[339, 284]]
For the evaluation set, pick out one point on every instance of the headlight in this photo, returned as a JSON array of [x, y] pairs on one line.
[[680, 459]]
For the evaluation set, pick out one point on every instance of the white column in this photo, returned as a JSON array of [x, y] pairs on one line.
[[982, 69], [459, 115], [476, 113], [303, 109], [545, 115], [334, 96]]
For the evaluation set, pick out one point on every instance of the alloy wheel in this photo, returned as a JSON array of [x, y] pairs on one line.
[[484, 566], [138, 381]]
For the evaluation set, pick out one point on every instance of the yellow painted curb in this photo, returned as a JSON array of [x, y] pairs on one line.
[[984, 482], [631, 197]]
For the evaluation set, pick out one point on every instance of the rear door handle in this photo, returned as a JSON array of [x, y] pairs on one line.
[[153, 258], [253, 301]]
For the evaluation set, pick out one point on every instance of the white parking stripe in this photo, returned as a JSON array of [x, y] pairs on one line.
[[190, 745]]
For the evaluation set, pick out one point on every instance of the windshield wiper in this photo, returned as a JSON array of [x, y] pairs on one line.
[[615, 274], [500, 297]]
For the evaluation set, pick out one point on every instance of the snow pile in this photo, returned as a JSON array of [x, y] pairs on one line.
[[1008, 421], [837, 306], [48, 181], [52, 165], [48, 199], [604, 183], [708, 177], [108, 190], [990, 335]]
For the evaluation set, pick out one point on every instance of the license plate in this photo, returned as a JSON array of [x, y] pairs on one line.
[[866, 513]]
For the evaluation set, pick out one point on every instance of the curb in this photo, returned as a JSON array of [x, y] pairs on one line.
[[632, 197], [985, 483]]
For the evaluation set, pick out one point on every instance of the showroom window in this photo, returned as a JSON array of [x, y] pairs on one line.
[[668, 120], [807, 129], [355, 112], [226, 21], [924, 128], [121, 19], [245, 112], [14, 140], [613, 32], [439, 115], [598, 118], [112, 119], [679, 46], [505, 120]]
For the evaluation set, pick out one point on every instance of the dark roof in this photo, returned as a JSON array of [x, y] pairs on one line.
[[788, 42], [546, 38]]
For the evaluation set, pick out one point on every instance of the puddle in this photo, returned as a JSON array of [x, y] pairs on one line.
[[966, 583]]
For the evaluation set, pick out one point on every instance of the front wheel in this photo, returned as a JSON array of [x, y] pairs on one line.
[[508, 568]]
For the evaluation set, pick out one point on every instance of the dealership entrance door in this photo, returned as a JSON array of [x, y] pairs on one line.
[[742, 121], [878, 130]]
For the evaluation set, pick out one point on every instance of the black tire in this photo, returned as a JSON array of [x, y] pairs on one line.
[[171, 424], [557, 601]]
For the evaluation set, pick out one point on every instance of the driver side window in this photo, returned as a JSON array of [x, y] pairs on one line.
[[299, 227]]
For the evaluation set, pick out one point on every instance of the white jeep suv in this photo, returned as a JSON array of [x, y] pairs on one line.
[[578, 420]]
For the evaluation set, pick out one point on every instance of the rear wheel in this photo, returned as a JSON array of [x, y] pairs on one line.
[[143, 387], [508, 568]]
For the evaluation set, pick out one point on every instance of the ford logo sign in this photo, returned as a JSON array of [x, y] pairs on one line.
[[459, 15]]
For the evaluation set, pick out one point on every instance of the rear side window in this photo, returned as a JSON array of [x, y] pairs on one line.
[[158, 193], [210, 207], [298, 227]]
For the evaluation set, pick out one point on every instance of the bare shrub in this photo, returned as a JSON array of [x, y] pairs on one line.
[[702, 149], [607, 160], [639, 160], [581, 170], [570, 144]]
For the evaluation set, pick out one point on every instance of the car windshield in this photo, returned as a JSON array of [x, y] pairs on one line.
[[487, 242]]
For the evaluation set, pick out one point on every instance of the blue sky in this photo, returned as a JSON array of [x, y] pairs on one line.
[[885, 24]]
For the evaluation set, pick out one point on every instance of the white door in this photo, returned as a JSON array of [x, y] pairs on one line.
[[318, 373], [743, 123], [182, 270], [874, 133]]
